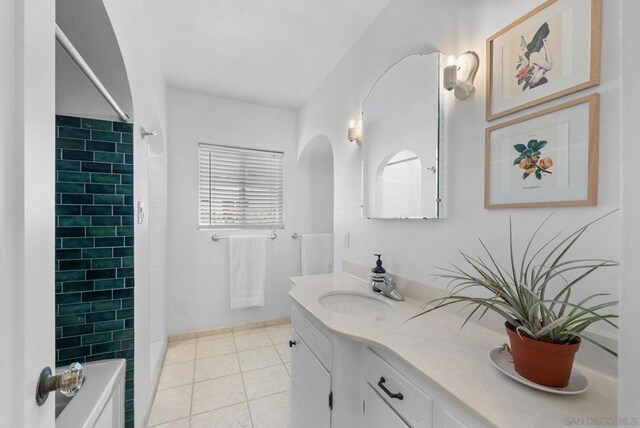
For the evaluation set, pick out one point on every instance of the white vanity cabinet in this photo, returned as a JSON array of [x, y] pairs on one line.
[[342, 383], [360, 349], [310, 376], [310, 386]]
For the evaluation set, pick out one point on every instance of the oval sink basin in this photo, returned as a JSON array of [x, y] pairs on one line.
[[356, 303]]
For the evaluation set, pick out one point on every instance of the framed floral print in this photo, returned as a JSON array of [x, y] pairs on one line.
[[545, 159], [552, 51]]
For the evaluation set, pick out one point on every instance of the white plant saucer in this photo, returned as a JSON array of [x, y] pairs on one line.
[[501, 358]]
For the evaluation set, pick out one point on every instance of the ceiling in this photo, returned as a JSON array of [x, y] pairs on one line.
[[272, 52]]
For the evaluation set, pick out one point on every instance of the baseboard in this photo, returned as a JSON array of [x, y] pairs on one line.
[[156, 382], [228, 329]]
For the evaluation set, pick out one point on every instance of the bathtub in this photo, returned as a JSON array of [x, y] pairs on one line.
[[100, 402]]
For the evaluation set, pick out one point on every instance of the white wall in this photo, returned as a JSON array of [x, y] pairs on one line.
[[197, 268], [412, 248], [157, 250], [6, 195], [157, 217], [629, 371]]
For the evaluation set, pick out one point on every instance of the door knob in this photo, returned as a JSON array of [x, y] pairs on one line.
[[68, 382], [292, 343]]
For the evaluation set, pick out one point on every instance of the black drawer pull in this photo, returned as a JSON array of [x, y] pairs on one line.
[[292, 343], [397, 395]]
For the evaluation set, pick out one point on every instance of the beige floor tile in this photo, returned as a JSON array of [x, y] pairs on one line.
[[280, 334], [214, 367], [245, 342], [181, 423], [170, 405], [182, 350], [284, 351], [258, 358], [236, 416], [272, 411], [288, 367], [217, 393], [267, 381], [176, 374], [211, 346]]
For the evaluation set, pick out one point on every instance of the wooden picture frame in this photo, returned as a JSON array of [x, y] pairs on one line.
[[576, 126], [571, 21]]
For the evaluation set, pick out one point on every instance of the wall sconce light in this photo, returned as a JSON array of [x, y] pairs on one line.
[[460, 73], [355, 132]]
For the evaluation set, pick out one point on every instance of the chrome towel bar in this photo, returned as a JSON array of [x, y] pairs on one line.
[[216, 238]]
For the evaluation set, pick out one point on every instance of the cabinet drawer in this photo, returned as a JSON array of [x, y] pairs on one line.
[[319, 344], [377, 413], [415, 407]]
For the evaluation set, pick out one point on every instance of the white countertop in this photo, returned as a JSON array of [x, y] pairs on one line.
[[455, 360]]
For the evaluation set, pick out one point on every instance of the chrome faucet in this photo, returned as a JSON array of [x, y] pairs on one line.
[[385, 286], [381, 282]]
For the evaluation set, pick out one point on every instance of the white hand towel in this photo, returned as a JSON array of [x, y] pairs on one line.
[[248, 271], [317, 254]]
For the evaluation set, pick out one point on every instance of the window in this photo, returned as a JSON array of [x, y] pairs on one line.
[[240, 188]]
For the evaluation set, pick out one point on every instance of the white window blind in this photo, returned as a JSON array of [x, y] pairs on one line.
[[240, 188]]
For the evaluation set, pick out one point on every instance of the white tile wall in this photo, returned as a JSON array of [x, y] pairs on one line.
[[156, 216]]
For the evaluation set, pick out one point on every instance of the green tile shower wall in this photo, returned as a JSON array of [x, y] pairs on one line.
[[94, 244]]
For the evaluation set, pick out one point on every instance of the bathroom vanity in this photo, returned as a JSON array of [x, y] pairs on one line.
[[358, 361]]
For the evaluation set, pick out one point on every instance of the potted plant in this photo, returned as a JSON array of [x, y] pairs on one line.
[[533, 294]]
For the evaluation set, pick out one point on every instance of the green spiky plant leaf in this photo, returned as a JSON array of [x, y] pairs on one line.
[[523, 292]]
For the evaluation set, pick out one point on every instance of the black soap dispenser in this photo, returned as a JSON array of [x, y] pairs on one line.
[[378, 275], [378, 268]]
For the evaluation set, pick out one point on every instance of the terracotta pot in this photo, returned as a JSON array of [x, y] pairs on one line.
[[544, 363]]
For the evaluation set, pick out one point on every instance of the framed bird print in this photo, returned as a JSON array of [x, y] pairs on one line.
[[552, 51]]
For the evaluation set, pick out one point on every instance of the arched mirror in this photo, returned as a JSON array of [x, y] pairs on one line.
[[401, 141]]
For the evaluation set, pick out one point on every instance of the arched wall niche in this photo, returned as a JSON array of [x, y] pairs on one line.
[[316, 159]]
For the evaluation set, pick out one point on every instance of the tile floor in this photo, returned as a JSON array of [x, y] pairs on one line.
[[231, 380]]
